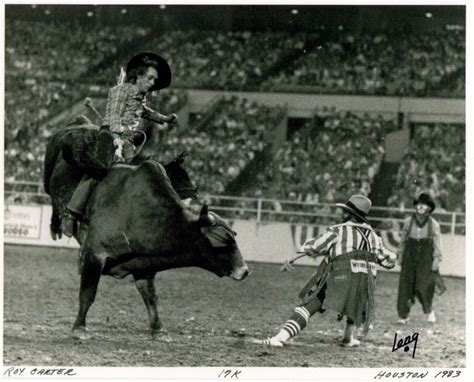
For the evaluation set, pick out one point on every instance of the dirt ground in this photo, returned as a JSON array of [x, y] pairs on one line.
[[211, 321]]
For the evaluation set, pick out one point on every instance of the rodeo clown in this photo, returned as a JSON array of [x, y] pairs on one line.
[[345, 280], [419, 255], [126, 106]]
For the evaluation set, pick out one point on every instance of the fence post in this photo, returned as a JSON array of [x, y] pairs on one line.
[[259, 210], [453, 224]]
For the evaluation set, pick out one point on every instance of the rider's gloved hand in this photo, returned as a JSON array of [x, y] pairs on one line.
[[118, 155], [172, 119]]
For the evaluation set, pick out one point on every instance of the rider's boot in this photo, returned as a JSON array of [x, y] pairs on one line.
[[76, 206]]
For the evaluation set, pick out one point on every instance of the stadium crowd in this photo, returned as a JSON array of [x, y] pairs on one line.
[[388, 64], [434, 163], [342, 158], [48, 74], [222, 146], [219, 60], [41, 72], [429, 64]]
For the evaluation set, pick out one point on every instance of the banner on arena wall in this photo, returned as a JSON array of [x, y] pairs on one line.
[[22, 222], [29, 225]]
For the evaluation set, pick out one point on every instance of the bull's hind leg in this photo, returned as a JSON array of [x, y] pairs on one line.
[[146, 287], [90, 276]]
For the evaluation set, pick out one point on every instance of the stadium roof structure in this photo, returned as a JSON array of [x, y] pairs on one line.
[[252, 17]]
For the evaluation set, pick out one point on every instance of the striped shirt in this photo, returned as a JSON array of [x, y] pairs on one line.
[[346, 238], [126, 106]]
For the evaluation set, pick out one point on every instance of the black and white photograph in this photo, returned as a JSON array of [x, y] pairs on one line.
[[258, 190]]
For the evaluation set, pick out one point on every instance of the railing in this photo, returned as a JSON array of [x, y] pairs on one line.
[[23, 192], [269, 210], [272, 210]]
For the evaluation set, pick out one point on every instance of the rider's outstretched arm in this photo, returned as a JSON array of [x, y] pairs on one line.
[[152, 115]]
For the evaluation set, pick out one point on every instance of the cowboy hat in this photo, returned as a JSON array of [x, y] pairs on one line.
[[357, 205], [425, 198], [155, 61]]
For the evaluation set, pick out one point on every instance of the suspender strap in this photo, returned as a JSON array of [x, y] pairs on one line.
[[412, 220]]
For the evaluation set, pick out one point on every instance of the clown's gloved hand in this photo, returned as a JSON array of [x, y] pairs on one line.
[[435, 265], [118, 155], [389, 262]]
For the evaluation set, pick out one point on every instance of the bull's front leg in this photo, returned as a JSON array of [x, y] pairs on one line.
[[146, 287], [90, 276]]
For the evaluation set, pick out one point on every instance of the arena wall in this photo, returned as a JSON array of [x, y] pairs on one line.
[[299, 105], [261, 242], [277, 242]]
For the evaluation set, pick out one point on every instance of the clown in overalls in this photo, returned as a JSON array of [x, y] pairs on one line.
[[345, 280], [126, 106], [419, 255]]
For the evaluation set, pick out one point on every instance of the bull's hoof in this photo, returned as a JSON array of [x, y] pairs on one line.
[[161, 335], [81, 334]]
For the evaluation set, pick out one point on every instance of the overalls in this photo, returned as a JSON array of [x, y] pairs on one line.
[[416, 277]]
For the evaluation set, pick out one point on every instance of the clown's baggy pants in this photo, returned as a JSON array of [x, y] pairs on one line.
[[416, 278]]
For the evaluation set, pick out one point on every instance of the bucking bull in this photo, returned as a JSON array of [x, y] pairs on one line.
[[135, 221]]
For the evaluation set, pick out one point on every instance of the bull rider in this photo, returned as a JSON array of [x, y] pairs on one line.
[[126, 106]]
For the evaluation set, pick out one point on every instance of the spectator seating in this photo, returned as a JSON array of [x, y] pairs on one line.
[[343, 157], [46, 73], [220, 150], [434, 163]]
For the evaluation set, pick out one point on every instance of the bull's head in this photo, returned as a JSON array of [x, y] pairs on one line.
[[219, 248]]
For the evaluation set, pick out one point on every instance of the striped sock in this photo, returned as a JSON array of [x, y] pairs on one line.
[[296, 323]]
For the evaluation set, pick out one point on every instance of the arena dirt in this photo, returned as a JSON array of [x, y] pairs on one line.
[[210, 320]]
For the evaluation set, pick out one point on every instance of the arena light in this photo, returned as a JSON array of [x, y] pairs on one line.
[[47, 12], [162, 6], [33, 6], [294, 11], [123, 11], [90, 14], [428, 15]]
